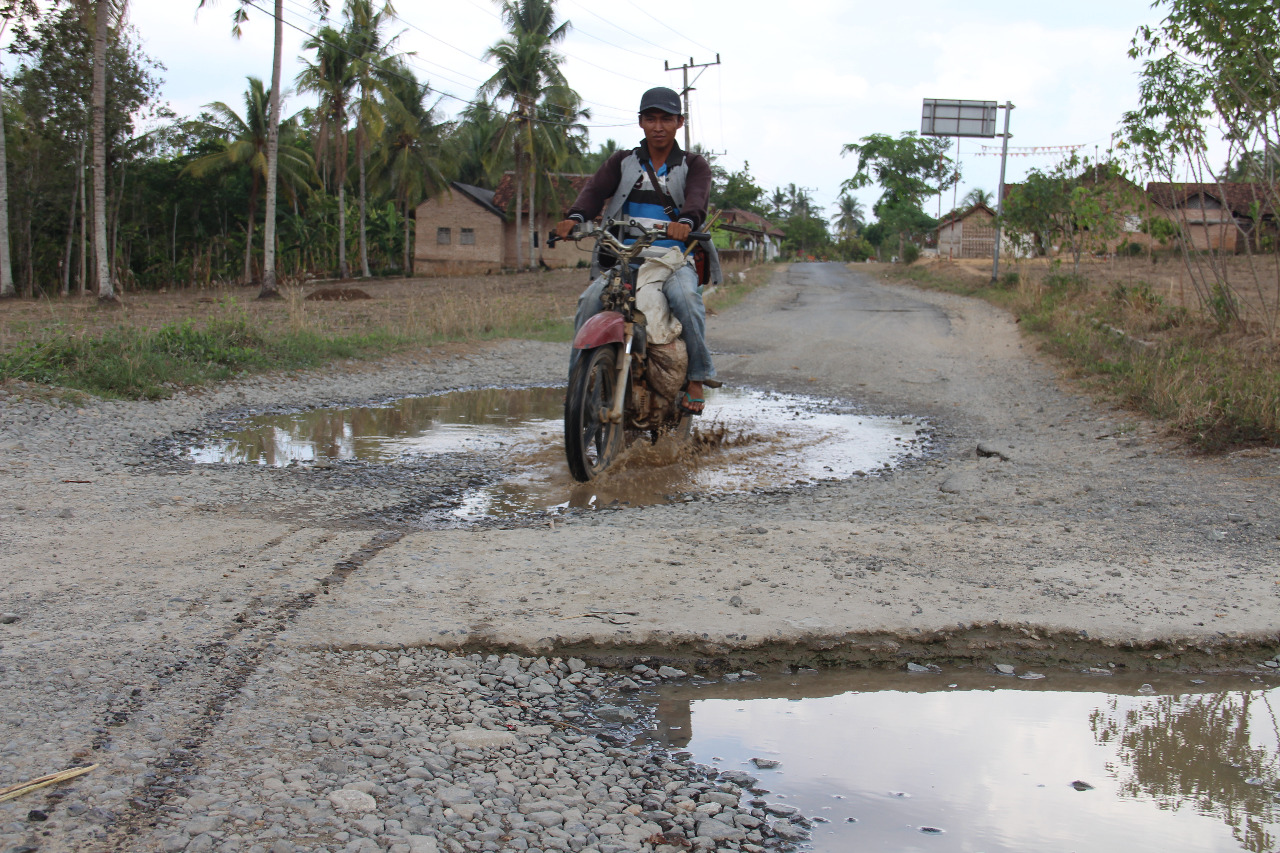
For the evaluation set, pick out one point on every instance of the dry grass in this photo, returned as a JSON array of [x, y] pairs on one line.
[[427, 310], [1145, 341], [156, 342], [1254, 284]]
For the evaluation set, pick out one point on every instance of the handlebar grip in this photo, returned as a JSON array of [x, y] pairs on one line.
[[553, 238], [698, 235]]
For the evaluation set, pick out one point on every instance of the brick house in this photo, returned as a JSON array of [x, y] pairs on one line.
[[1227, 217], [469, 229]]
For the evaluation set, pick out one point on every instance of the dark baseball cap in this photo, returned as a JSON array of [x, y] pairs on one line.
[[663, 99]]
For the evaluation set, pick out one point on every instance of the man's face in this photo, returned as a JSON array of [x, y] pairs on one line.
[[659, 128]]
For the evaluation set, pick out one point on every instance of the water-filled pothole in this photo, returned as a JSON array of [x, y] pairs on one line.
[[747, 440], [980, 762]]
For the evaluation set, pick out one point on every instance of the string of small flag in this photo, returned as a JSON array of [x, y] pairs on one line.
[[1028, 150]]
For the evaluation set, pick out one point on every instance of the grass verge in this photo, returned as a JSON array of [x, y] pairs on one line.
[[1216, 389], [139, 364], [159, 343]]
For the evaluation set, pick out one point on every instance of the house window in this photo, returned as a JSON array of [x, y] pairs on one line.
[[467, 237], [444, 236]]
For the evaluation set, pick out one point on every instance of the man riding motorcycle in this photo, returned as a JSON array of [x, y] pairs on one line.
[[657, 183]]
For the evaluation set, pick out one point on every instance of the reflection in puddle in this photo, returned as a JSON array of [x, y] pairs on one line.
[[747, 440], [479, 419], [874, 758]]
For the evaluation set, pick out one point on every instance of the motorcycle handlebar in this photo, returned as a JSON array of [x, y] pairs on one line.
[[553, 238]]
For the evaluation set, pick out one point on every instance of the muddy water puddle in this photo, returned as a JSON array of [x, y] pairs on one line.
[[978, 762], [746, 440]]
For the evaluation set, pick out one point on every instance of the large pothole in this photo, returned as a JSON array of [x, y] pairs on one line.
[[747, 441], [978, 760]]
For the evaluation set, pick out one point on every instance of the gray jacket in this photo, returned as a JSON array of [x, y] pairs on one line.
[[631, 172]]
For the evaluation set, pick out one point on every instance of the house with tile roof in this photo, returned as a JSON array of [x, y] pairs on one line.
[[754, 235], [1230, 216], [469, 229]]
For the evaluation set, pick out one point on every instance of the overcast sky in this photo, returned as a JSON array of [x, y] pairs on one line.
[[796, 80]]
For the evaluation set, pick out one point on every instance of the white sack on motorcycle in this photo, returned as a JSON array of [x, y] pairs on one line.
[[660, 326]]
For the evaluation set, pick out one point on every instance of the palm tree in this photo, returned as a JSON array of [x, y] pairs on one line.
[[412, 158], [851, 215], [528, 71], [977, 196], [364, 40], [559, 139], [332, 77], [246, 146], [269, 289], [778, 202], [473, 141]]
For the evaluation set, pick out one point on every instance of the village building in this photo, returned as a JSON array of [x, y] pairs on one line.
[[1125, 203], [753, 236], [1227, 217], [967, 234], [469, 229]]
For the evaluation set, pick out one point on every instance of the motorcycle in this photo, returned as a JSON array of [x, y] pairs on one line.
[[628, 376]]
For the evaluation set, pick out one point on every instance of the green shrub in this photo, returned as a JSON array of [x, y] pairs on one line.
[[910, 253]]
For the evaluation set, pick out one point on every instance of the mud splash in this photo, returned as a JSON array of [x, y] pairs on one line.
[[747, 440], [981, 761]]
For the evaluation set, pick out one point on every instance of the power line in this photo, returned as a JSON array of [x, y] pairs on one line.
[[688, 87], [414, 81], [628, 32], [644, 11], [304, 14]]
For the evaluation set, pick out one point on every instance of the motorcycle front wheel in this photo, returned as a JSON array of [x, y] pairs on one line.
[[591, 443]]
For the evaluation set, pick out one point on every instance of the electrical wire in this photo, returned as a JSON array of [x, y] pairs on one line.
[[628, 32], [688, 38], [411, 63], [577, 29]]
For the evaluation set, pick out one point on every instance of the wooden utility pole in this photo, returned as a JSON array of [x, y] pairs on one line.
[[684, 93]]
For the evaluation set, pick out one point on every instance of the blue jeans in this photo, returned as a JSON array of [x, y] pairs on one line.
[[685, 299]]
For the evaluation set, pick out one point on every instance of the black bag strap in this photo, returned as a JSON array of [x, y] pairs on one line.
[[668, 203]]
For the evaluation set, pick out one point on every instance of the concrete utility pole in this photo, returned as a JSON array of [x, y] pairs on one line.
[[1004, 158], [666, 66]]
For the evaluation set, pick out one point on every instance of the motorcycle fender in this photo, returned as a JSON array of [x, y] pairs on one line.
[[603, 328]]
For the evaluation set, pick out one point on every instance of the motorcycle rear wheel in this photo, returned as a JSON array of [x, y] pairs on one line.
[[591, 442]]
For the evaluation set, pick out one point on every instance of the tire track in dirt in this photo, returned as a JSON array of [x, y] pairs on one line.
[[233, 658]]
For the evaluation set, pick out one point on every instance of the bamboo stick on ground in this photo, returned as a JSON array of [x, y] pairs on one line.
[[15, 791]]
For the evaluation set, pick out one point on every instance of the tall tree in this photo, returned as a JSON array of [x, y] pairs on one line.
[[528, 71], [1212, 70], [104, 14], [332, 77], [412, 158], [908, 169], [363, 30], [850, 215], [270, 288], [473, 142], [245, 146], [11, 11], [737, 190]]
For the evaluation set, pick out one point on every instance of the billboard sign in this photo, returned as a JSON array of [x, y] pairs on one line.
[[943, 117]]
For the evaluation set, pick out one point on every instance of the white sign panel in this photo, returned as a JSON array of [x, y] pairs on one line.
[[944, 117]]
